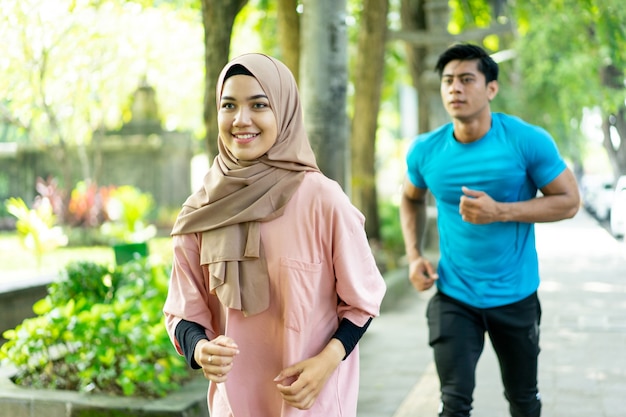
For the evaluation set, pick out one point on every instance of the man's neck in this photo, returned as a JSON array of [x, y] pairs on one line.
[[467, 131]]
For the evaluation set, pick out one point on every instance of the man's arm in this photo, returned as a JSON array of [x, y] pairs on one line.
[[560, 200], [413, 221]]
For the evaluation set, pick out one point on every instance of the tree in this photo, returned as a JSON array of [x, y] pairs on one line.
[[572, 61], [565, 62], [323, 81], [368, 76], [69, 69], [218, 17], [413, 18], [289, 34]]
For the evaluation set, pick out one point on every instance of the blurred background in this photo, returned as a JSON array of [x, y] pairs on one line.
[[107, 114]]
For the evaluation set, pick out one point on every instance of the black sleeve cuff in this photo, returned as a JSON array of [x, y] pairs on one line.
[[188, 334], [349, 334]]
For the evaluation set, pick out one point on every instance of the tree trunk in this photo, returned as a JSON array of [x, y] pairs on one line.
[[289, 35], [218, 17], [413, 18], [323, 79], [613, 78], [620, 127], [368, 76]]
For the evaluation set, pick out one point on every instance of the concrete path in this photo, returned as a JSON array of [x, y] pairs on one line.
[[582, 369]]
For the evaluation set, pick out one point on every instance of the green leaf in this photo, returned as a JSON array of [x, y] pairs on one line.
[[42, 307]]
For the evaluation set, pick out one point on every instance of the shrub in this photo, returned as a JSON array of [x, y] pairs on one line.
[[129, 209], [36, 227], [391, 233], [87, 205], [99, 330]]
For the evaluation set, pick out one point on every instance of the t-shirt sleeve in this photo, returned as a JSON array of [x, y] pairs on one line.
[[544, 162], [413, 164]]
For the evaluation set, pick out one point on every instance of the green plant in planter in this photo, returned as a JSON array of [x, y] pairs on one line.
[[129, 229], [36, 227], [128, 209], [99, 329]]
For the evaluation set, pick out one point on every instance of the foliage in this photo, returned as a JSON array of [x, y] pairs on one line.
[[391, 233], [36, 227], [49, 193], [255, 29], [68, 67], [561, 80], [129, 209], [561, 55], [99, 330], [87, 205], [17, 262]]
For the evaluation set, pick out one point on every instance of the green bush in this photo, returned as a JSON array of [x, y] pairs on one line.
[[99, 329], [129, 210], [36, 226], [391, 233]]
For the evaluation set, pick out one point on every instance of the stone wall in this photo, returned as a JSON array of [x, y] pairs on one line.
[[157, 163]]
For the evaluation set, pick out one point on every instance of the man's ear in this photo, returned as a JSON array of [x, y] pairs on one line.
[[492, 89]]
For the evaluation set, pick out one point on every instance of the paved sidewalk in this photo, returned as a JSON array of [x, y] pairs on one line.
[[582, 368]]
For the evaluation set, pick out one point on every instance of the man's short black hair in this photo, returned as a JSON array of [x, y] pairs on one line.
[[469, 52]]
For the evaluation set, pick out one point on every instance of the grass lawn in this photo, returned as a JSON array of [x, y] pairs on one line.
[[16, 262]]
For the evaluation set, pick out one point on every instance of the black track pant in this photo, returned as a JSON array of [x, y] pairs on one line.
[[457, 335]]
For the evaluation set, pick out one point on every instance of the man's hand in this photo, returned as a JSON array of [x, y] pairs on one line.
[[422, 274], [478, 207]]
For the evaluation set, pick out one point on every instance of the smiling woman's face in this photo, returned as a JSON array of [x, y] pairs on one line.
[[246, 122]]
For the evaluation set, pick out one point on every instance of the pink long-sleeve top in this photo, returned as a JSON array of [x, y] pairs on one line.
[[321, 270]]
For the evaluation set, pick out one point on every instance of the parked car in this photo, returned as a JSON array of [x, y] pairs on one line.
[[618, 208], [597, 194]]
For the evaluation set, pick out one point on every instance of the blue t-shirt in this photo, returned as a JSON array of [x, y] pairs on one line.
[[492, 264]]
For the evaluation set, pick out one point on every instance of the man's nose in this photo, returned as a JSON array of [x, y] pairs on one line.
[[455, 85]]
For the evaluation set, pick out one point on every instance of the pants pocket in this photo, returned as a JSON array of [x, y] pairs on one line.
[[433, 316]]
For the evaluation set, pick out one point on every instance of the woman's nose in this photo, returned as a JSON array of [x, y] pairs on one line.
[[242, 117]]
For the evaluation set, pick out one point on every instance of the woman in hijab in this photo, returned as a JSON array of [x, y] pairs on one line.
[[273, 281]]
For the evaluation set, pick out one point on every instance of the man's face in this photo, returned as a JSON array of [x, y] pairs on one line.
[[464, 92]]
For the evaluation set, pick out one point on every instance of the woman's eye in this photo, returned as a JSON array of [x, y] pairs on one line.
[[228, 105], [260, 105]]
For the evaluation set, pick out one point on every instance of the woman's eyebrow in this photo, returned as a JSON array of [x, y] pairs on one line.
[[255, 97]]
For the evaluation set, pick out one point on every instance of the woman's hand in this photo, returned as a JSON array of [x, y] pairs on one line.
[[303, 382], [216, 357]]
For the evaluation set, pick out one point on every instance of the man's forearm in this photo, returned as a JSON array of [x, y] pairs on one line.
[[413, 222]]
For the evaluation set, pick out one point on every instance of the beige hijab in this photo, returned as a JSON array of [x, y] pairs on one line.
[[237, 195]]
